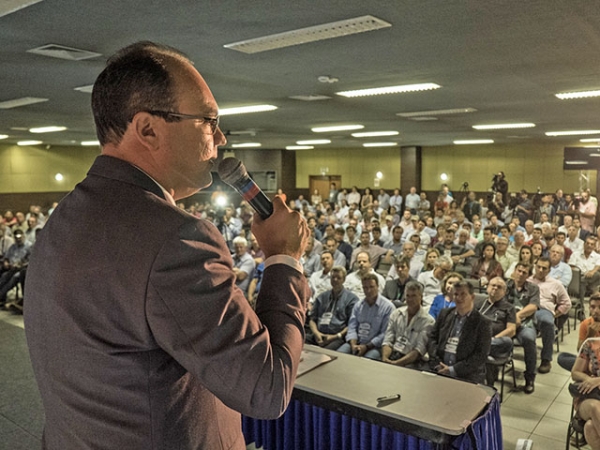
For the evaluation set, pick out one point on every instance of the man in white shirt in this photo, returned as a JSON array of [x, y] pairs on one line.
[[396, 200], [320, 281], [354, 280], [588, 262], [412, 200], [432, 280], [573, 242]]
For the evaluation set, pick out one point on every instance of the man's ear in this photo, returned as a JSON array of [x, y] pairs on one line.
[[146, 129]]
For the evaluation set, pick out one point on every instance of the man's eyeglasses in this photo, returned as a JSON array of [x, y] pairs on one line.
[[213, 122]]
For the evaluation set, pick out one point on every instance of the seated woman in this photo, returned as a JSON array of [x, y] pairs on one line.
[[430, 258], [537, 250], [316, 198], [366, 200], [487, 267], [445, 300], [524, 258], [586, 371]]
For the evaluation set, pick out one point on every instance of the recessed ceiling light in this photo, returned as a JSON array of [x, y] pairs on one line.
[[51, 129], [87, 89], [299, 147], [590, 140], [437, 112], [3, 136], [314, 142], [90, 143], [580, 94], [576, 162], [504, 126], [337, 128], [390, 90], [375, 134], [380, 144], [473, 141], [23, 101], [246, 145], [309, 34], [29, 142], [246, 109], [571, 133]]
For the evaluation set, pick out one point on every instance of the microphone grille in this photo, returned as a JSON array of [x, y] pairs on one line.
[[231, 169]]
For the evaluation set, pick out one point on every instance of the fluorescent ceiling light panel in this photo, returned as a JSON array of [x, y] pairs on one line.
[[246, 145], [580, 94], [87, 89], [310, 98], [571, 133], [590, 140], [314, 142], [23, 101], [10, 6], [246, 109], [310, 34], [3, 136], [576, 162], [504, 126], [390, 90], [299, 147], [437, 112], [90, 143], [375, 134], [337, 128], [21, 143], [62, 52], [52, 129], [423, 119], [473, 141], [380, 144]]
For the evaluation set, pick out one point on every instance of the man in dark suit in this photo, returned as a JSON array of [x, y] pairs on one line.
[[461, 338], [138, 335]]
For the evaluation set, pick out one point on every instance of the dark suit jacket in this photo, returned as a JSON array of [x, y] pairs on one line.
[[139, 337], [473, 345]]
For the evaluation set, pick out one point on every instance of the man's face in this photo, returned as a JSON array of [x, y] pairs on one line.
[[376, 235], [406, 215], [501, 246], [487, 235], [312, 223], [462, 297], [398, 234], [239, 248], [370, 289], [351, 233], [449, 237], [413, 299], [440, 271], [326, 261], [413, 190], [18, 238], [577, 223], [537, 235], [585, 197], [542, 269], [572, 232], [420, 226], [189, 147], [496, 289], [529, 226], [568, 221], [595, 309], [520, 274], [560, 239], [477, 226], [589, 246], [364, 239], [462, 238], [32, 221], [408, 250], [337, 281], [363, 263], [402, 270], [555, 256], [331, 245]]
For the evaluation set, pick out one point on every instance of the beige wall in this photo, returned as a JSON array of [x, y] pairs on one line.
[[32, 169], [356, 166]]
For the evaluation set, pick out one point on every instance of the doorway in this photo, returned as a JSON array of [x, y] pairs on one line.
[[322, 183]]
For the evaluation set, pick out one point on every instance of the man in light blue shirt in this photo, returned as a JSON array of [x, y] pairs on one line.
[[559, 269], [368, 321]]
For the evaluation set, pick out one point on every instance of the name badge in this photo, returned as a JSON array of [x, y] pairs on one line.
[[325, 319], [451, 345], [363, 330], [448, 253], [401, 345]]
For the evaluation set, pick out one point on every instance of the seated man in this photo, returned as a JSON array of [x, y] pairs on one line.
[[432, 280], [243, 264], [525, 296], [460, 341], [368, 321], [394, 289], [588, 262], [559, 269], [319, 281], [405, 341], [354, 279], [450, 249], [554, 308], [504, 324], [15, 264], [331, 313]]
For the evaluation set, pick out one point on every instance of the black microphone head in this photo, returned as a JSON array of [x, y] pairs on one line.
[[231, 170]]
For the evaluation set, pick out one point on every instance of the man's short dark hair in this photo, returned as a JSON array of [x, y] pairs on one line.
[[490, 229], [464, 284], [135, 79], [414, 286], [350, 227], [376, 229], [526, 266], [371, 276]]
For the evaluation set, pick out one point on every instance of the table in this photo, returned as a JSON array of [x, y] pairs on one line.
[[334, 407]]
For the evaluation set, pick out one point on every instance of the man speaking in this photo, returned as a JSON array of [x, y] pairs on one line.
[[138, 335]]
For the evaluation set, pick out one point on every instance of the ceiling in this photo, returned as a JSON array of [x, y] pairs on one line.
[[506, 59]]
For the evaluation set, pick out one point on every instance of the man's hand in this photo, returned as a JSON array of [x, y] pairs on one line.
[[284, 233], [443, 369], [589, 274], [318, 338], [359, 350]]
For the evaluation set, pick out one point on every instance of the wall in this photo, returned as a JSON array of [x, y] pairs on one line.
[[527, 166], [356, 166]]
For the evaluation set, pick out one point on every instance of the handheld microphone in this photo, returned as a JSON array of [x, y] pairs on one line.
[[233, 172]]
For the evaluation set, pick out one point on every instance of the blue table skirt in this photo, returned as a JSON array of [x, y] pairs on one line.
[[307, 427]]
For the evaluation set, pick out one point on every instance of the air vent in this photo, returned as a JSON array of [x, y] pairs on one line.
[[62, 52], [311, 34]]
